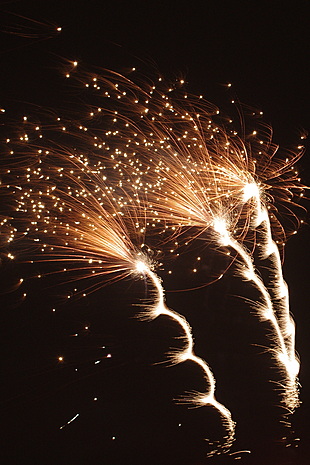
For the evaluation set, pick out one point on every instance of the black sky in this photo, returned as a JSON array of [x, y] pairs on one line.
[[262, 48]]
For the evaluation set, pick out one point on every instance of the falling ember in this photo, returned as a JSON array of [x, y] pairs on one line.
[[70, 421]]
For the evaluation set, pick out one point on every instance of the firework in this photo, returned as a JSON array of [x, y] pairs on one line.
[[65, 206], [105, 192]]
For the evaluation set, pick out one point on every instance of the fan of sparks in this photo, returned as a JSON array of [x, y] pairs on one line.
[[109, 188]]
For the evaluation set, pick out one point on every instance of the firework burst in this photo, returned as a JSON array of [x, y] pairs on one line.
[[106, 190]]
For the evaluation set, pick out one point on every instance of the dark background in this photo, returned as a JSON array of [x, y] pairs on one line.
[[262, 48]]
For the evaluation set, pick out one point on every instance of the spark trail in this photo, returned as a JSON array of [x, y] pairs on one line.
[[278, 292], [264, 310], [187, 354]]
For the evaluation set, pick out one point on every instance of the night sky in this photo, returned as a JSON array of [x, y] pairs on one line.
[[125, 407]]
